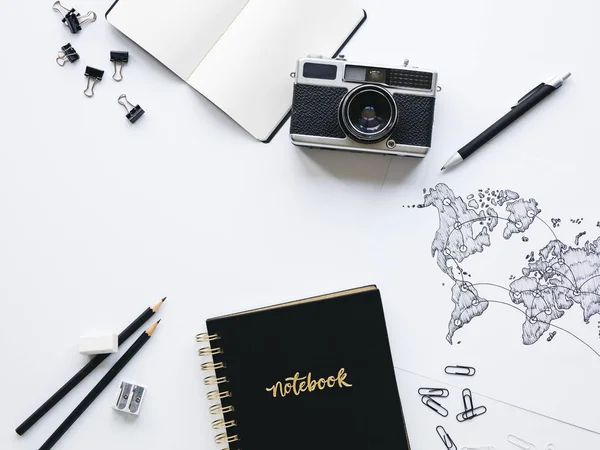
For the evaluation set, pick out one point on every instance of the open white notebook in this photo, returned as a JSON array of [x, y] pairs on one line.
[[239, 53]]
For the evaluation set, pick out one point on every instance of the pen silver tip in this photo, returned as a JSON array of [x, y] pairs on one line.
[[443, 168], [557, 82], [453, 161]]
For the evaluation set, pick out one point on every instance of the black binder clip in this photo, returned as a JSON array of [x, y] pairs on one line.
[[67, 53], [119, 59], [93, 76], [72, 19], [133, 112]]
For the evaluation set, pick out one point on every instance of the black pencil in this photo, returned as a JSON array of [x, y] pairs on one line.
[[85, 371], [97, 390]]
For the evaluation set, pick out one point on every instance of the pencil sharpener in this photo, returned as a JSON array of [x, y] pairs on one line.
[[129, 398]]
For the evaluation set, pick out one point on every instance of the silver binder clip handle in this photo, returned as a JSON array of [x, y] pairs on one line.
[[89, 88], [118, 75], [119, 58], [61, 59], [89, 17], [122, 100], [93, 75], [58, 7]]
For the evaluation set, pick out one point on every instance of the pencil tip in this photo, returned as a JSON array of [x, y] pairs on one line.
[[158, 321], [151, 330], [158, 305]]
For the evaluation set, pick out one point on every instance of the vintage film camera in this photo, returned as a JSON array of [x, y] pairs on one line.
[[341, 105]]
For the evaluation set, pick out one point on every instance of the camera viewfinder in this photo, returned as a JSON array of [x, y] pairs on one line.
[[376, 76], [362, 74], [320, 71]]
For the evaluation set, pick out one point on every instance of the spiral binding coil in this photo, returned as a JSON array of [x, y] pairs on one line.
[[224, 438], [212, 366], [216, 410], [205, 337], [217, 395], [212, 380], [222, 423], [209, 351], [214, 396]]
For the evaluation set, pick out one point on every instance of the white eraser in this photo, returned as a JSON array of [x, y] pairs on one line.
[[98, 345]]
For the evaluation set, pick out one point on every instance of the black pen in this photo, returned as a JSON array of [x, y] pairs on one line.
[[531, 99]]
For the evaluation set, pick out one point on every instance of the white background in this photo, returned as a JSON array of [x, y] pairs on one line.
[[101, 218]]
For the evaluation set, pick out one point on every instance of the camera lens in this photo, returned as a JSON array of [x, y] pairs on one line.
[[368, 113]]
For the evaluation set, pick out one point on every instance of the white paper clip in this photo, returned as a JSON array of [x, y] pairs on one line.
[[518, 442], [445, 437]]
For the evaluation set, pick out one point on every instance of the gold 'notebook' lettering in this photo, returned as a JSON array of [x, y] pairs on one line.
[[297, 384]]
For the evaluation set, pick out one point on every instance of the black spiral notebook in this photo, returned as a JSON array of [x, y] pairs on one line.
[[311, 374]]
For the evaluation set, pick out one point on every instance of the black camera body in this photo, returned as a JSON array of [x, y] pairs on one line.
[[358, 107]]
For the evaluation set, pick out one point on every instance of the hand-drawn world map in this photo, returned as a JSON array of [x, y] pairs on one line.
[[556, 279]]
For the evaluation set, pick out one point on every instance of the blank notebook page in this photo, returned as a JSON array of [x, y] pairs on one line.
[[247, 72], [179, 33]]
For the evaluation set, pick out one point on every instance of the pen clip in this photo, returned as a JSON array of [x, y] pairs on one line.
[[529, 94]]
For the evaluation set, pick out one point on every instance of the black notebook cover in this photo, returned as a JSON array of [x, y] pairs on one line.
[[349, 402]]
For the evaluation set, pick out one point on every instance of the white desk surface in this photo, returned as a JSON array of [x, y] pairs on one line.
[[101, 218]]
